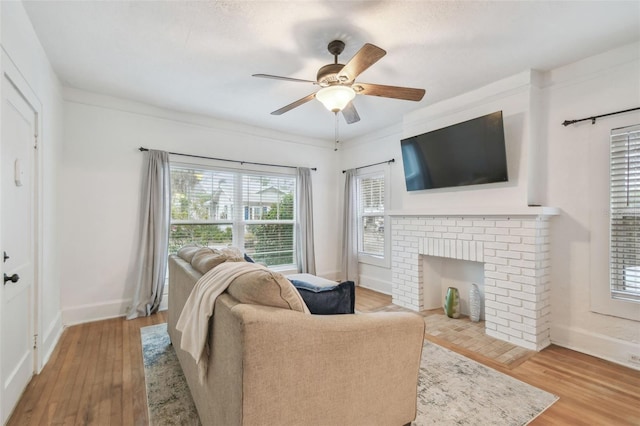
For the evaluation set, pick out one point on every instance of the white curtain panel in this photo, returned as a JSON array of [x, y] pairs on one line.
[[151, 264], [349, 229], [304, 198]]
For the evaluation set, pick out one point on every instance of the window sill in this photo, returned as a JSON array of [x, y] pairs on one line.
[[370, 259]]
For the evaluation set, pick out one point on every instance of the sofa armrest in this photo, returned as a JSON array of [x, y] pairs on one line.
[[316, 370]]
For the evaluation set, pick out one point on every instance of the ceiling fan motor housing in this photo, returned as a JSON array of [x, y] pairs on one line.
[[328, 75]]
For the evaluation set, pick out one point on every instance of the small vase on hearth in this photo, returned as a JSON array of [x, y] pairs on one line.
[[452, 303], [474, 303]]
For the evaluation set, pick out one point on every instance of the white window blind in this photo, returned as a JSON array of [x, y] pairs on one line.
[[370, 195], [625, 213], [254, 212]]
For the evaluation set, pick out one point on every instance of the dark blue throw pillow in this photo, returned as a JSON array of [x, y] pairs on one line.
[[337, 299]]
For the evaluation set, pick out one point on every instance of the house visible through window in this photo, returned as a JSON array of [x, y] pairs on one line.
[[252, 211], [625, 213], [371, 226]]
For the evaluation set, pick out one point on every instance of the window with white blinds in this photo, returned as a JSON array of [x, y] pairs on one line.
[[370, 201], [252, 211], [625, 213]]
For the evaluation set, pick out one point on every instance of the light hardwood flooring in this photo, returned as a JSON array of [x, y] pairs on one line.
[[95, 377]]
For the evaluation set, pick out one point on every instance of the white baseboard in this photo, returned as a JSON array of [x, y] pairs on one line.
[[595, 344], [95, 312], [375, 284], [49, 341]]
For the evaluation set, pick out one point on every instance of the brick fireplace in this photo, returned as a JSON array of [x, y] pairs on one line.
[[514, 249]]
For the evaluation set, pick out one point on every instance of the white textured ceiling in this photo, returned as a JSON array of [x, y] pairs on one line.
[[198, 57]]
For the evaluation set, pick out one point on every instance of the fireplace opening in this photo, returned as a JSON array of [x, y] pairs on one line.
[[440, 273]]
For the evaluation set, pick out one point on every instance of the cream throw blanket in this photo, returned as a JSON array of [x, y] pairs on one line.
[[194, 319]]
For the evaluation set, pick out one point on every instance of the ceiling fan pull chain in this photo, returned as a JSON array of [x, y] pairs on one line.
[[337, 132]]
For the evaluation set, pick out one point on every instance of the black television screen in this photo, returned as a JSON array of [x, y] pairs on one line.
[[468, 153]]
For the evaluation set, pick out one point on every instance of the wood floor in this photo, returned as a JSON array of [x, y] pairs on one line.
[[95, 377]]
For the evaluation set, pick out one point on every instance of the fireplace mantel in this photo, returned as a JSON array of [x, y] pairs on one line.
[[479, 211]]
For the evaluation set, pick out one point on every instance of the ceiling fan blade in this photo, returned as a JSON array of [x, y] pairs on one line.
[[368, 55], [294, 104], [350, 114], [405, 93], [277, 77]]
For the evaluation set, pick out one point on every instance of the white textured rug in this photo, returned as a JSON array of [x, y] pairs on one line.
[[452, 389], [455, 390]]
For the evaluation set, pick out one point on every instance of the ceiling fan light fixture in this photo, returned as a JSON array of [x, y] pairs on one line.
[[336, 97]]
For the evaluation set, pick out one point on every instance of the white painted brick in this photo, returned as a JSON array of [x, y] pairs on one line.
[[495, 305], [496, 260], [464, 223], [509, 285], [497, 231], [434, 234], [523, 232], [522, 263], [524, 296], [496, 245], [489, 253], [449, 235], [529, 248], [489, 297], [418, 222], [484, 237], [480, 252], [508, 300], [510, 331], [509, 316], [454, 229], [509, 254], [472, 251], [500, 321], [489, 312], [508, 224], [509, 269], [488, 266], [498, 335], [508, 239], [496, 275], [473, 230], [484, 223], [467, 237], [490, 326], [523, 279]]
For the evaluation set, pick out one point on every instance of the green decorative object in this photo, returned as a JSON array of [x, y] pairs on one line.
[[452, 303]]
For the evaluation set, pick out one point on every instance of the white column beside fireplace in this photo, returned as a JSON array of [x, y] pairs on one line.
[[512, 244]]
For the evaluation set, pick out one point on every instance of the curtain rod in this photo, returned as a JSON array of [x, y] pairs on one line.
[[593, 119], [224, 159], [393, 160]]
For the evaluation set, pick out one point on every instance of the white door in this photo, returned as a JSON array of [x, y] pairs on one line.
[[17, 155]]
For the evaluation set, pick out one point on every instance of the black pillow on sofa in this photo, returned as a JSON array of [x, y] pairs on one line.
[[337, 299]]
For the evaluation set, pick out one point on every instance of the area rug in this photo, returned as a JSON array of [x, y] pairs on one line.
[[168, 396], [452, 389]]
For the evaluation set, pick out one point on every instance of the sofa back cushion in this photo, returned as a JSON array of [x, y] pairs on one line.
[[261, 286], [186, 252], [206, 258]]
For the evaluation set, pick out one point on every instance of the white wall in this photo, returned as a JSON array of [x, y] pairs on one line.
[[577, 170], [100, 184], [564, 167], [22, 46]]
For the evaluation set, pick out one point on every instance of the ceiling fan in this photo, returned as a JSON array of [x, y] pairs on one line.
[[338, 83]]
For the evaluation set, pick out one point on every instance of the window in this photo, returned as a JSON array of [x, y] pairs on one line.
[[624, 228], [253, 211], [370, 190]]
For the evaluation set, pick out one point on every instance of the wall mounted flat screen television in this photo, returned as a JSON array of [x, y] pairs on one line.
[[468, 153]]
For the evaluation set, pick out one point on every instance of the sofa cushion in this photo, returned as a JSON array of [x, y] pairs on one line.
[[206, 258], [268, 288], [186, 252], [323, 300]]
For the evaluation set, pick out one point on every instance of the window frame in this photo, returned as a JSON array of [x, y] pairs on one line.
[[236, 220], [383, 260], [620, 249]]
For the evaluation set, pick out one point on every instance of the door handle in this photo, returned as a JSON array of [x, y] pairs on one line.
[[13, 278]]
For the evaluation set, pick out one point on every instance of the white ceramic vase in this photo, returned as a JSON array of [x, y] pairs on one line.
[[474, 303]]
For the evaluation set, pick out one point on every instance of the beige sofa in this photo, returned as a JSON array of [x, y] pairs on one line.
[[275, 366]]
